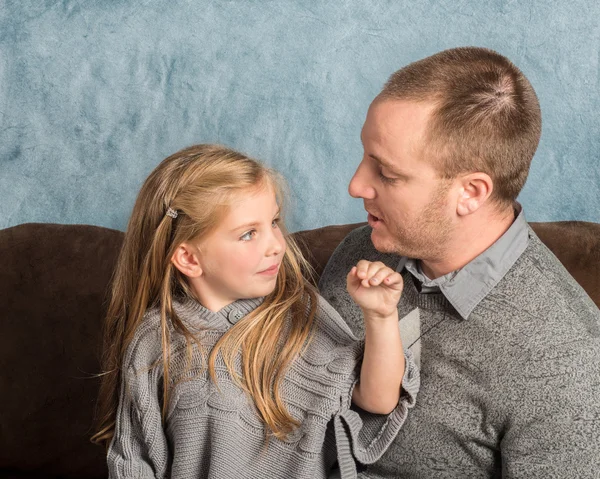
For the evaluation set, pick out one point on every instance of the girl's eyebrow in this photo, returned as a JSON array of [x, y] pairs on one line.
[[246, 226], [253, 224]]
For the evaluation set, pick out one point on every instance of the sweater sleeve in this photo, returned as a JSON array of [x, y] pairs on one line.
[[139, 447], [365, 436], [360, 435]]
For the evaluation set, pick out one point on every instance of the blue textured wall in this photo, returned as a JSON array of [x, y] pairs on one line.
[[94, 94]]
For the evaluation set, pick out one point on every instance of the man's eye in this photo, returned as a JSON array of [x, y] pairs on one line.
[[248, 235], [386, 179]]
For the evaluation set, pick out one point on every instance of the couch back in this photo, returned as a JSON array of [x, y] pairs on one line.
[[54, 283]]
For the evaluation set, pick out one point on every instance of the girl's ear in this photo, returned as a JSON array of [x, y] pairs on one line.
[[187, 260]]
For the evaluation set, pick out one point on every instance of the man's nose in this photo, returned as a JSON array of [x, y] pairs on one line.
[[359, 186]]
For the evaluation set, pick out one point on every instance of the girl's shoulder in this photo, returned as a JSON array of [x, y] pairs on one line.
[[332, 352], [328, 321], [146, 345]]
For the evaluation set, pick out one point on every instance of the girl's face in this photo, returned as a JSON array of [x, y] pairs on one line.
[[241, 258]]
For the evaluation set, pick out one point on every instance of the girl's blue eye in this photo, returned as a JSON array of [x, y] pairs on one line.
[[248, 235]]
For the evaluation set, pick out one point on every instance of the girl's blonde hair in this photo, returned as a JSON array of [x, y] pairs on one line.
[[200, 182]]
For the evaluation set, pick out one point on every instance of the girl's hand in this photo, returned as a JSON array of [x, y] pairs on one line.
[[375, 288]]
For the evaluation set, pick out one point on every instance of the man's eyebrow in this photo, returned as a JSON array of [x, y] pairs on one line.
[[386, 164]]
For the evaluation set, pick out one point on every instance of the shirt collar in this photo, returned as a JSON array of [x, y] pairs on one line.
[[466, 287]]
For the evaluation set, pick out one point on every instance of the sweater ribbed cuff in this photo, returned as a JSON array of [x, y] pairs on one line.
[[368, 450]]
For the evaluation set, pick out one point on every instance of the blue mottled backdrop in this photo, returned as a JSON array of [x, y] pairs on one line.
[[93, 94]]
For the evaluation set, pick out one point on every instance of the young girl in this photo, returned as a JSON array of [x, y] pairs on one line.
[[221, 360]]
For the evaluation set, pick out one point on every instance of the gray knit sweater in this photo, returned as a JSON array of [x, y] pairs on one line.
[[511, 391], [214, 431]]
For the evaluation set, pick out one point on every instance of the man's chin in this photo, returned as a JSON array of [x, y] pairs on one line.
[[385, 244], [381, 243]]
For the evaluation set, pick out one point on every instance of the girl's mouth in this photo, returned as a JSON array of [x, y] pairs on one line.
[[270, 271]]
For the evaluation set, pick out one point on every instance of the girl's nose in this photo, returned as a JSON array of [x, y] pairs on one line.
[[276, 243]]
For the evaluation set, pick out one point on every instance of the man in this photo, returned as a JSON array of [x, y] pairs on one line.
[[508, 342]]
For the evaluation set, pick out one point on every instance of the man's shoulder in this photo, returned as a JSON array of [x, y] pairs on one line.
[[539, 270], [539, 286], [358, 241], [355, 246]]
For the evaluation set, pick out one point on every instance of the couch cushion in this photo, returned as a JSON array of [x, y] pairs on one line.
[[53, 284]]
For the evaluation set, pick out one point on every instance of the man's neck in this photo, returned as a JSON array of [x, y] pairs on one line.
[[474, 235]]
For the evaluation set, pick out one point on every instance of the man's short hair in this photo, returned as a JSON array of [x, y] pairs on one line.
[[486, 115]]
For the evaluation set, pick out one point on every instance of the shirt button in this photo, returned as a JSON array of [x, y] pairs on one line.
[[234, 316]]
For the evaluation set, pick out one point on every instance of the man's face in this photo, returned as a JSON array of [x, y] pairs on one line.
[[406, 200]]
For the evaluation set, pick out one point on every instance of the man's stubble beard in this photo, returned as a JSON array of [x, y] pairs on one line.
[[428, 236]]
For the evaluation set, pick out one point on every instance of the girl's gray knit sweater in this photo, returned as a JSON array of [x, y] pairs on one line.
[[214, 431]]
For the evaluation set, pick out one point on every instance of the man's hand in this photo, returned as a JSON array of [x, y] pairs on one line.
[[376, 288]]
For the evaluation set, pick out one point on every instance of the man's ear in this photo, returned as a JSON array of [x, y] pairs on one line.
[[475, 189], [187, 260]]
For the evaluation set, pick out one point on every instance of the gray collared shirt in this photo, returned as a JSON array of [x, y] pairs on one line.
[[466, 287]]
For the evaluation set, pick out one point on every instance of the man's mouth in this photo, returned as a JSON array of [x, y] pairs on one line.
[[373, 220]]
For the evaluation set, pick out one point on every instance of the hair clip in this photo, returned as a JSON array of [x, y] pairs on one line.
[[171, 212]]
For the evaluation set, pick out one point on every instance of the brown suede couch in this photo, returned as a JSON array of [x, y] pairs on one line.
[[53, 284]]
